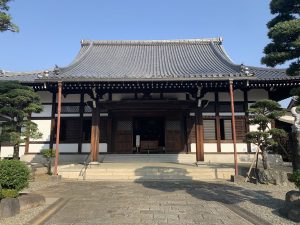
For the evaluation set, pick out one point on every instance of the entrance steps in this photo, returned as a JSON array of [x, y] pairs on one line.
[[149, 158], [145, 171]]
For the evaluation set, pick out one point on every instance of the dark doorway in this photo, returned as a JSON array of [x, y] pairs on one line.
[[151, 131]]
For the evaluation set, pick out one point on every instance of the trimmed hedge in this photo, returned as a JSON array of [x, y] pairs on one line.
[[14, 174], [9, 193]]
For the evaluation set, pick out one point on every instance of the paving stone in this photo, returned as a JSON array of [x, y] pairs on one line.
[[149, 203]]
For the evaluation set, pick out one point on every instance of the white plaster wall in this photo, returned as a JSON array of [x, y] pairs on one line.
[[208, 114], [253, 127], [45, 113], [224, 97], [44, 127], [46, 96], [86, 147], [36, 148], [87, 98], [257, 94], [210, 96], [75, 98], [178, 96], [229, 114], [210, 147], [69, 115], [193, 147], [7, 151], [67, 148], [228, 147], [238, 96], [119, 97]]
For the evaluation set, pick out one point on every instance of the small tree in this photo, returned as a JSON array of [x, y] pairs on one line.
[[48, 154], [262, 114], [16, 103]]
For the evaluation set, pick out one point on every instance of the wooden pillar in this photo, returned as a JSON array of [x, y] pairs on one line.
[[233, 127], [246, 108], [27, 139], [109, 133], [199, 136], [53, 110], [95, 132], [218, 122], [81, 111], [57, 127]]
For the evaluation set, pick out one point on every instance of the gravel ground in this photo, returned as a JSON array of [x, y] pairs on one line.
[[26, 215], [266, 202]]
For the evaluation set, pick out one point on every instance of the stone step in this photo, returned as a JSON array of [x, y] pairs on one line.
[[176, 158], [152, 173]]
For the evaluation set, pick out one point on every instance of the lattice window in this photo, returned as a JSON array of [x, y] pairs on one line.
[[173, 125], [226, 129], [124, 125], [87, 109], [209, 129], [70, 109]]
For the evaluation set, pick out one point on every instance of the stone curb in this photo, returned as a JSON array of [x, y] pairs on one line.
[[28, 201], [12, 206], [48, 212]]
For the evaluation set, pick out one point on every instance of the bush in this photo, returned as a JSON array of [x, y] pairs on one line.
[[14, 174], [9, 193], [295, 177], [48, 153]]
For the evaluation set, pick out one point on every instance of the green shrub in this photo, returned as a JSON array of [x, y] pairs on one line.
[[9, 193], [14, 174], [48, 153], [295, 177]]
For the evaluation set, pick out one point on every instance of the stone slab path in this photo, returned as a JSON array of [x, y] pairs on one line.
[[155, 203]]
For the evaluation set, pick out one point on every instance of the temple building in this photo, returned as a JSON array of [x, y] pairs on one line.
[[149, 97]]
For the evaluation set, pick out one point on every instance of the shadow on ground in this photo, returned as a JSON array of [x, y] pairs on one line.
[[225, 193]]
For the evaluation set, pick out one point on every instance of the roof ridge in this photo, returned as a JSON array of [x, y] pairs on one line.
[[152, 42], [268, 68]]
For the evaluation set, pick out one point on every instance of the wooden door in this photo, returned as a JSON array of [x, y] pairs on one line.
[[174, 136], [122, 138]]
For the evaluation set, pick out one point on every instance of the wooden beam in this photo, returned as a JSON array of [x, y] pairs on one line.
[[199, 136], [218, 122], [233, 127], [57, 127], [95, 132]]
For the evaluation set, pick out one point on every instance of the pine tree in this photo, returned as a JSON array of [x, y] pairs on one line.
[[284, 32], [17, 102], [5, 18], [262, 113]]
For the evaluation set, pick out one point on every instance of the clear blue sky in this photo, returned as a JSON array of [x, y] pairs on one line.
[[51, 30]]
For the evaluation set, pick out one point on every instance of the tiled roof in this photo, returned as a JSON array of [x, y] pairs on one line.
[[196, 59], [21, 76]]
